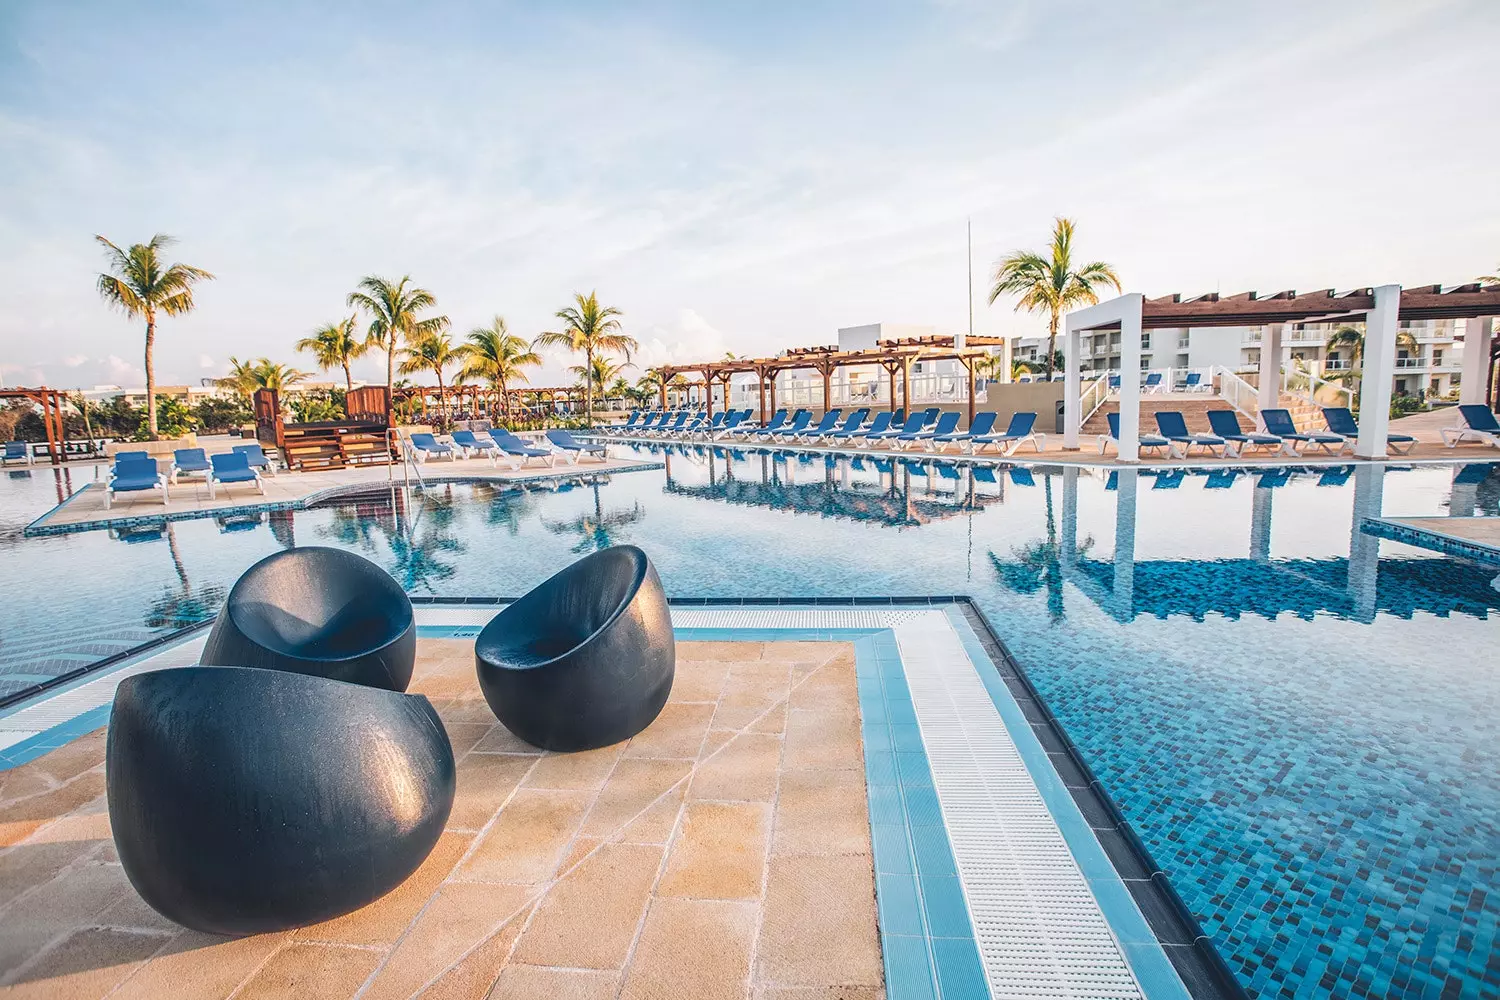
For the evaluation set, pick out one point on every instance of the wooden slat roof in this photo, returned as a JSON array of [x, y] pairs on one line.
[[1253, 309]]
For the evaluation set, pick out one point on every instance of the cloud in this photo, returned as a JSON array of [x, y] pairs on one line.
[[74, 360], [204, 361], [689, 338]]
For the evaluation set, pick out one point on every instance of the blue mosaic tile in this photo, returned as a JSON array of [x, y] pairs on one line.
[[943, 902], [908, 968], [934, 856], [959, 972], [900, 910]]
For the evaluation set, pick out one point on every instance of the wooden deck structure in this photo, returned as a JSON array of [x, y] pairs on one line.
[[51, 401], [892, 355], [488, 399], [363, 438]]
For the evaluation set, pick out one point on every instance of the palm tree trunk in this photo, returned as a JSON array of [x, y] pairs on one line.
[[390, 376], [504, 398], [588, 387], [348, 385], [442, 402], [150, 376], [1051, 344]]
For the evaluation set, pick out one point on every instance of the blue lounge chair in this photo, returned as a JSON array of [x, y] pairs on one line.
[[1221, 479], [671, 425], [914, 423], [1336, 476], [899, 417], [470, 444], [984, 423], [1193, 382], [257, 457], [1168, 479], [1226, 424], [575, 449], [731, 423], [1021, 476], [1272, 478], [1341, 422], [879, 425], [1279, 422], [699, 422], [1173, 427], [16, 451], [1479, 424], [518, 449], [133, 473], [628, 425], [778, 419], [1145, 442], [1017, 432], [1153, 382], [829, 422], [714, 425], [189, 461], [844, 431], [947, 423], [424, 446], [1114, 382], [232, 467], [799, 424]]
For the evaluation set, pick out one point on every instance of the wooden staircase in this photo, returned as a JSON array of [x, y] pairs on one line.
[[1194, 410], [334, 445]]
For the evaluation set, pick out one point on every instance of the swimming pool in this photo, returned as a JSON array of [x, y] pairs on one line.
[[1298, 719]]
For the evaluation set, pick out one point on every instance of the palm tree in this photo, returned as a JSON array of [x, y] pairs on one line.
[[1352, 340], [393, 309], [1051, 285], [1490, 279], [497, 356], [650, 384], [335, 345], [430, 352], [598, 373], [591, 329], [247, 376], [140, 285]]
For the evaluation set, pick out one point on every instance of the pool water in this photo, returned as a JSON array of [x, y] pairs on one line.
[[1300, 720]]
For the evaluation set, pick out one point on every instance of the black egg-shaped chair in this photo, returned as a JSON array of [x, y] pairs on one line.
[[584, 660], [318, 611], [244, 801]]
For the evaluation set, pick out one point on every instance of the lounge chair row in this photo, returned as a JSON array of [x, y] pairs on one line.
[[500, 444], [929, 428], [1229, 439], [137, 471]]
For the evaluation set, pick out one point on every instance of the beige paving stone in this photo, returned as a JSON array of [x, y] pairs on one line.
[[634, 786], [201, 966], [476, 972], [773, 720], [823, 739], [746, 698], [67, 903], [719, 650], [86, 823], [301, 971], [818, 928], [464, 736], [386, 919], [28, 865], [484, 782], [23, 782], [656, 824], [822, 812], [460, 918], [826, 689], [719, 852], [819, 993], [715, 741], [528, 838], [132, 913], [20, 819], [86, 965], [72, 759], [692, 948], [466, 711], [744, 770], [579, 771], [698, 680], [502, 740], [531, 982], [808, 651], [607, 895], [581, 848], [677, 732]]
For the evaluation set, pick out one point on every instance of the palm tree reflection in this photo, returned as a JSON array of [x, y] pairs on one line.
[[182, 607], [1038, 564], [597, 530]]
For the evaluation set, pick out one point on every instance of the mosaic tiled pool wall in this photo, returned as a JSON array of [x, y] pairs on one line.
[[1342, 843]]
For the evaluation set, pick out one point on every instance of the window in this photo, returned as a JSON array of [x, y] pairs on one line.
[[1145, 361], [1145, 341], [1182, 341], [1437, 356]]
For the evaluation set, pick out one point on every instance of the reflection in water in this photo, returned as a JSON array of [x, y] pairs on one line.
[[182, 607], [601, 528]]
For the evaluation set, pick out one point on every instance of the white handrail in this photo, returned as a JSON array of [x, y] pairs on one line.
[[1301, 380], [1235, 391], [1093, 397]]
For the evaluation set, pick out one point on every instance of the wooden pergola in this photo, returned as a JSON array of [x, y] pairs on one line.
[[892, 355], [51, 401], [474, 394]]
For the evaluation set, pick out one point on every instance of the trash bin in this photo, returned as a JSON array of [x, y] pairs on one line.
[[1059, 428]]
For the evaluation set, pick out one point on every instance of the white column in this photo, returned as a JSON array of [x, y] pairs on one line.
[[1379, 368], [1072, 407], [1364, 550], [1477, 334], [1270, 367], [1130, 379], [1069, 517], [1260, 523]]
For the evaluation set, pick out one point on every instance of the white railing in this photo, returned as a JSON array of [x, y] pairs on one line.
[[926, 388], [1235, 391], [1092, 397], [1302, 381]]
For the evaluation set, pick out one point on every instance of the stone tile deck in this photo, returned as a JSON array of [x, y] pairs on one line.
[[724, 852]]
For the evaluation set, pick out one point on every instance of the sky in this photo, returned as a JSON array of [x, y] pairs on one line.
[[734, 176]]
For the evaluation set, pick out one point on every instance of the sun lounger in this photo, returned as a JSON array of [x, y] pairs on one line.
[[1167, 479], [16, 451], [880, 424], [1272, 478], [575, 449], [1341, 421], [518, 449], [799, 424], [808, 435], [1021, 476], [984, 423], [1193, 382], [230, 468], [1279, 422], [187, 461], [947, 423], [469, 444], [1145, 442], [914, 423], [133, 474], [629, 425], [424, 446], [731, 424], [671, 426], [1153, 382], [846, 430], [1479, 424], [1221, 479], [777, 421], [257, 458], [1114, 383], [1226, 424], [1173, 427], [1017, 432], [1336, 476]]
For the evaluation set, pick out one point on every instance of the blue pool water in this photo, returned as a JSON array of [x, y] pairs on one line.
[[1301, 721]]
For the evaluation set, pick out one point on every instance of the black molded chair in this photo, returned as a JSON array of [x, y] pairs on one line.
[[245, 801], [318, 611], [584, 660]]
